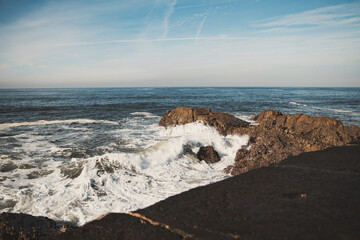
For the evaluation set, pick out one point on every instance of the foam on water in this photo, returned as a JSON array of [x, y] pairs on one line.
[[145, 114], [326, 109], [246, 117], [44, 122], [299, 104], [158, 163]]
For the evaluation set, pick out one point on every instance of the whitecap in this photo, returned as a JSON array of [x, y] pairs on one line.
[[145, 114], [45, 122]]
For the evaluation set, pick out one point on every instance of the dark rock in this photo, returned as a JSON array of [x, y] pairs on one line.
[[208, 154], [40, 173], [8, 166], [223, 122], [119, 226], [24, 226], [312, 196]]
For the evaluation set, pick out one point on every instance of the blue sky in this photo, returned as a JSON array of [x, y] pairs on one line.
[[179, 43]]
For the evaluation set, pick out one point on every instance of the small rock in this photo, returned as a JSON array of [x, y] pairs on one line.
[[7, 167], [208, 154]]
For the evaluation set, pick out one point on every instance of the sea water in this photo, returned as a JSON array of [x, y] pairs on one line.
[[75, 154]]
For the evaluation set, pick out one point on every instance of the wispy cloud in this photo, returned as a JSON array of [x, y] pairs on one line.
[[179, 39], [331, 15], [168, 14], [209, 3]]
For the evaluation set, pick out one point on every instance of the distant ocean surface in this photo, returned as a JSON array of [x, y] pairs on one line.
[[74, 154]]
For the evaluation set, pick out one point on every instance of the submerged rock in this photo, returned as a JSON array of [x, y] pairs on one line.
[[208, 154], [8, 166]]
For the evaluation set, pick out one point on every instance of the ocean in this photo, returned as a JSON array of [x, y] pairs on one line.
[[75, 154]]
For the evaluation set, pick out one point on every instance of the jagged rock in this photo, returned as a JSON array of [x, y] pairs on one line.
[[223, 122], [276, 137], [208, 154], [322, 129], [279, 136]]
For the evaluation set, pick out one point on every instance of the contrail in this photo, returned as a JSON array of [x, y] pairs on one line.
[[200, 27], [166, 18]]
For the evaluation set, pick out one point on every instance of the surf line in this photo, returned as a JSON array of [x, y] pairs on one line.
[[183, 234]]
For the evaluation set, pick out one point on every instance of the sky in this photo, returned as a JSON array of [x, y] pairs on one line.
[[179, 43]]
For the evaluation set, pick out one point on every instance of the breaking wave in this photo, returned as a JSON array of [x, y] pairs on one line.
[[83, 188]]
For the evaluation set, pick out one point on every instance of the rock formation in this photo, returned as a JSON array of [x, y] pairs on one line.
[[223, 122], [208, 154], [276, 137]]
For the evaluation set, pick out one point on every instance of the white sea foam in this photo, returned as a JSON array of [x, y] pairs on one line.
[[246, 118], [340, 110], [299, 104], [145, 114], [327, 109], [120, 181], [44, 122]]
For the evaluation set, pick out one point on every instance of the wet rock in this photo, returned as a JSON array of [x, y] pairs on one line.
[[208, 154], [276, 137], [105, 165], [40, 173], [71, 169], [223, 122], [8, 203], [8, 166], [327, 131], [26, 166], [279, 136]]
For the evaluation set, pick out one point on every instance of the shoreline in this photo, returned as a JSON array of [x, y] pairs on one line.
[[277, 151], [312, 195]]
